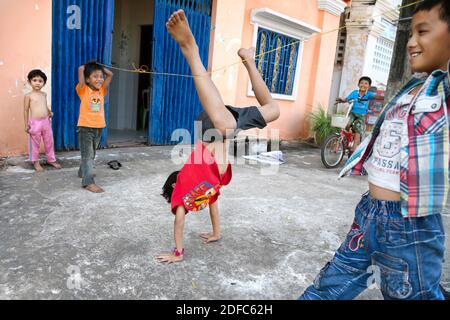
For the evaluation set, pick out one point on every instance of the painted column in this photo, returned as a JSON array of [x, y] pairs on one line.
[[364, 28], [358, 30]]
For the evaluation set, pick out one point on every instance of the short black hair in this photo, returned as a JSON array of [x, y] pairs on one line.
[[91, 67], [365, 79], [37, 73], [167, 189], [428, 5]]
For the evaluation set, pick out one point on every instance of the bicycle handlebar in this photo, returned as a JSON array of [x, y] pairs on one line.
[[345, 102]]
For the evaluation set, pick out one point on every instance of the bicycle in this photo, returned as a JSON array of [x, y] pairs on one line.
[[335, 146]]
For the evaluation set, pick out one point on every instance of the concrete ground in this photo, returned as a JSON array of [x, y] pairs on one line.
[[58, 241]]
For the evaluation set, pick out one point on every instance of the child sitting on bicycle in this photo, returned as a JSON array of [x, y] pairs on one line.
[[360, 108]]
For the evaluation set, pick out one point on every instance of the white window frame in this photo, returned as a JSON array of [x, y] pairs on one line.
[[335, 7], [277, 22]]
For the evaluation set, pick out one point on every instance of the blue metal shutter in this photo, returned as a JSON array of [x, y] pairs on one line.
[[175, 103], [70, 49]]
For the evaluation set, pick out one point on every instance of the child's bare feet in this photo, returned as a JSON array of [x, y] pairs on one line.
[[247, 54], [178, 27], [38, 167], [94, 188], [56, 165], [209, 237]]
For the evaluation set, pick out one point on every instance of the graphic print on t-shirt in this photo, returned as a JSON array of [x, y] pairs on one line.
[[385, 157], [95, 100], [388, 145], [198, 198]]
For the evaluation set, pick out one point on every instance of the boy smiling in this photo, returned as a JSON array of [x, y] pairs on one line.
[[398, 223]]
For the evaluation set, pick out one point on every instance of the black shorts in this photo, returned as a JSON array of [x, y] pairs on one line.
[[246, 118]]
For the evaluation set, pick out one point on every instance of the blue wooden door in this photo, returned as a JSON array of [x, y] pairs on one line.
[[82, 31], [175, 103]]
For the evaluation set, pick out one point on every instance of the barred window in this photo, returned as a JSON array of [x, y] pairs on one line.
[[278, 62]]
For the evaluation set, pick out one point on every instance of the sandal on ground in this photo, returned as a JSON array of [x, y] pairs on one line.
[[115, 165]]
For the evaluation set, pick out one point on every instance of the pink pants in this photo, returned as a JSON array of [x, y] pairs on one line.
[[41, 128]]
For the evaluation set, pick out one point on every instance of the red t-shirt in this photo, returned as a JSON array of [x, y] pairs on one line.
[[199, 181]]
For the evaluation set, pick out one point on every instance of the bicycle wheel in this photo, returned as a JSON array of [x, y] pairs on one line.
[[332, 151]]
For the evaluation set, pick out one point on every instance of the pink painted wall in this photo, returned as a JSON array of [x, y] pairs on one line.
[[316, 66], [25, 44]]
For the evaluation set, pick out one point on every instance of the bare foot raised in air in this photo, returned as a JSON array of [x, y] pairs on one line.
[[178, 27], [94, 188], [38, 167], [247, 55]]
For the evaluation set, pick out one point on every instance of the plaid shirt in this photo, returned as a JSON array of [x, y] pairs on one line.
[[424, 153]]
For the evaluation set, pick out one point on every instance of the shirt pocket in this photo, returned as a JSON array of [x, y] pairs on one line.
[[425, 104], [392, 274], [429, 115]]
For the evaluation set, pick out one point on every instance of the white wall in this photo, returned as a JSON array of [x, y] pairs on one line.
[[354, 58], [129, 17]]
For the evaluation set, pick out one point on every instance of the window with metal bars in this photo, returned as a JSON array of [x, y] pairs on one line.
[[276, 60]]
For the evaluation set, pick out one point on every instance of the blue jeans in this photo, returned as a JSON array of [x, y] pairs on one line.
[[403, 256]]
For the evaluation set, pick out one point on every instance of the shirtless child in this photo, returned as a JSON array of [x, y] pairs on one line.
[[37, 118]]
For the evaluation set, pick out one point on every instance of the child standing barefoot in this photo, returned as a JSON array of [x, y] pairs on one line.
[[92, 88], [37, 118], [198, 183]]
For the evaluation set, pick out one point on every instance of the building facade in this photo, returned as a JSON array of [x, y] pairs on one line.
[[293, 56], [365, 45]]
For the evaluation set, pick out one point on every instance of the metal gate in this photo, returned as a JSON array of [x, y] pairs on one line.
[[175, 103], [82, 31]]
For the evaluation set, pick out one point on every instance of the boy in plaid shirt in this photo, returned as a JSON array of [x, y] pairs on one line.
[[398, 231]]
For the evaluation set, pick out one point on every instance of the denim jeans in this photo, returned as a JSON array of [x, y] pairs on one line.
[[89, 139], [403, 256]]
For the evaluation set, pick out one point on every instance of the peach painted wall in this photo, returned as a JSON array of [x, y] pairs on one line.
[[316, 65], [25, 44], [227, 22]]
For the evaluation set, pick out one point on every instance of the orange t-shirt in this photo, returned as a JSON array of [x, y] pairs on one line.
[[92, 109]]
